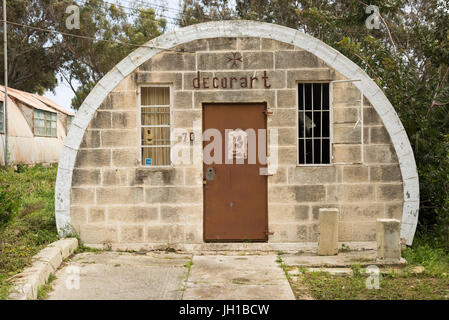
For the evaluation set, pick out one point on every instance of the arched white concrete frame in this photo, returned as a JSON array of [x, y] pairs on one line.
[[241, 28]]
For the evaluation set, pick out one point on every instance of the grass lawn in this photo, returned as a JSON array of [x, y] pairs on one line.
[[31, 225], [407, 284]]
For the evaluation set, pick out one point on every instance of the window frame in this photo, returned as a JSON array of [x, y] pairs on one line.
[[34, 123], [139, 122], [331, 124], [2, 116]]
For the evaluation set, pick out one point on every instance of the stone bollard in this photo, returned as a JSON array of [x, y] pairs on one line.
[[328, 232], [388, 239]]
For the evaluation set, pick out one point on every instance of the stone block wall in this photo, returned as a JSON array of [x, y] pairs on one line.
[[115, 199]]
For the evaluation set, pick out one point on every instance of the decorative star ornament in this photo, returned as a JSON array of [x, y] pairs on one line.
[[236, 56]]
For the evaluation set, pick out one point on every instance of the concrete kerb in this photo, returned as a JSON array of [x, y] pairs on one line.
[[47, 261]]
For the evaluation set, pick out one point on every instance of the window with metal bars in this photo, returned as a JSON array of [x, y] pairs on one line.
[[155, 120], [314, 145], [44, 123]]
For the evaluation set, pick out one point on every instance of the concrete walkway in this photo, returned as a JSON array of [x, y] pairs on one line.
[[252, 277], [116, 275]]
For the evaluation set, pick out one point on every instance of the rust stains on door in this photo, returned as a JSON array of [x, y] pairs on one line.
[[235, 194]]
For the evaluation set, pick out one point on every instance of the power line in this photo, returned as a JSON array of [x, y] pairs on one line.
[[136, 10], [91, 38]]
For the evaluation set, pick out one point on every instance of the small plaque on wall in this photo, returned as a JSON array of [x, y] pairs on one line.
[[148, 161]]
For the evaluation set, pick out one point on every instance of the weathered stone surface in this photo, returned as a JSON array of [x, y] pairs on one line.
[[96, 214], [346, 115], [82, 177], [158, 178], [379, 135], [168, 233], [347, 134], [173, 195], [170, 61], [328, 229], [122, 100], [236, 96], [307, 74], [185, 119], [296, 59], [361, 211], [309, 193], [350, 192], [182, 100], [385, 173], [125, 157], [183, 214], [114, 177], [270, 44], [380, 154], [394, 210], [148, 78], [370, 117], [312, 175], [93, 158], [287, 99], [283, 118], [124, 120], [355, 173], [82, 196], [131, 234], [218, 61], [119, 195], [78, 217], [98, 234], [91, 139], [364, 231], [119, 138], [346, 153], [216, 44], [388, 239], [390, 192], [288, 213], [194, 46], [248, 43], [101, 120], [258, 60], [133, 214]]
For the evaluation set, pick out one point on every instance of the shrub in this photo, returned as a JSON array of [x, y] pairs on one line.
[[9, 203]]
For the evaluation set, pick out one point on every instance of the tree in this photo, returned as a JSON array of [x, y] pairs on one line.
[[34, 56], [86, 61]]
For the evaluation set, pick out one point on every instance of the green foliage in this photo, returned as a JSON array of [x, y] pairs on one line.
[[34, 56], [86, 61], [434, 260], [33, 226], [9, 203]]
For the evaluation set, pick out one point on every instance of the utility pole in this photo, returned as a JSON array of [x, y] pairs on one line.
[[5, 53]]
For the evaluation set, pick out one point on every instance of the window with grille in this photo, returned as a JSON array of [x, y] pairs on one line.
[[44, 123], [1, 116], [314, 145], [155, 125]]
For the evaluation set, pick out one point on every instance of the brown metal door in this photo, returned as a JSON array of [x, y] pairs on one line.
[[235, 200]]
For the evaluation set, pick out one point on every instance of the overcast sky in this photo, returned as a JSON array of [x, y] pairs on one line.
[[63, 94]]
